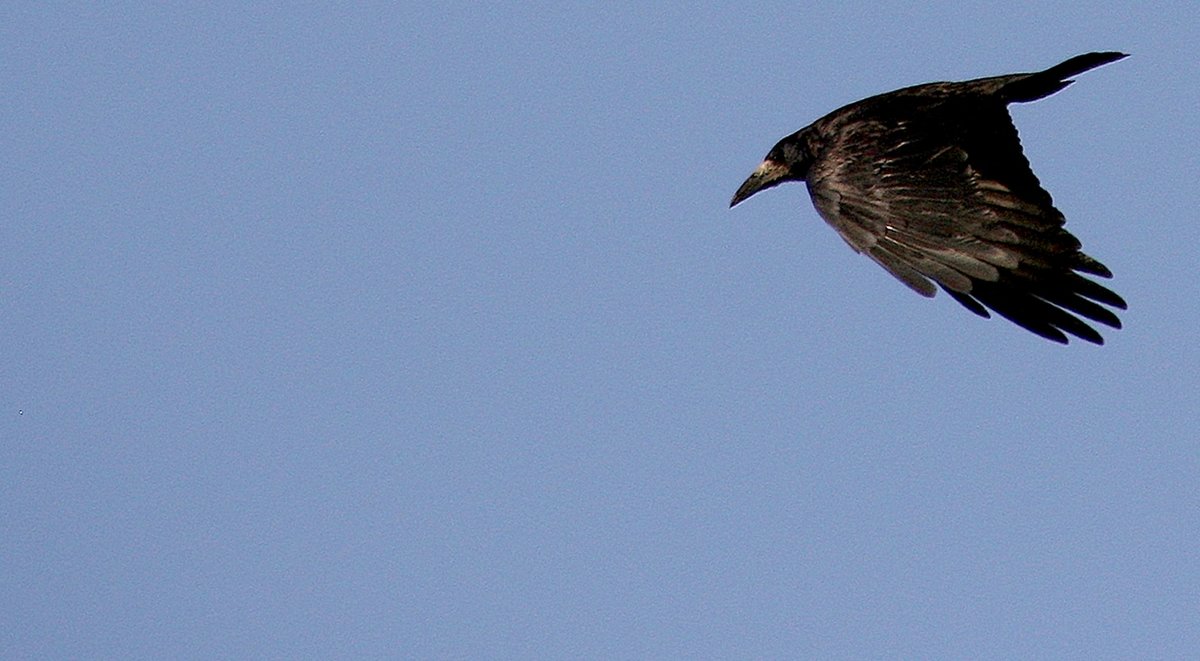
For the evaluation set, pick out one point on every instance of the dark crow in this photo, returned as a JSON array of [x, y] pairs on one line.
[[930, 182]]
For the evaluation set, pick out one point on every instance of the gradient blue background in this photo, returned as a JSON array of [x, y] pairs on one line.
[[384, 329]]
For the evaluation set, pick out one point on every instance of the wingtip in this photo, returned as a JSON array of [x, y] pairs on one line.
[[1102, 57]]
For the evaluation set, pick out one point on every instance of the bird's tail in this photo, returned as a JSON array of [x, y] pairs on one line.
[[1033, 86]]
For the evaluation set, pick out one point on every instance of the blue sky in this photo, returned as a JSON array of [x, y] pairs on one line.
[[425, 331]]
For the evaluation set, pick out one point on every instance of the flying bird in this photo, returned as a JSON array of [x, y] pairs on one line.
[[930, 183]]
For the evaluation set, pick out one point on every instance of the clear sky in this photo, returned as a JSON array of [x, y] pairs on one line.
[[425, 331]]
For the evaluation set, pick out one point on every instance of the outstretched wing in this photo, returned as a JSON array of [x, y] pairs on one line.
[[944, 195]]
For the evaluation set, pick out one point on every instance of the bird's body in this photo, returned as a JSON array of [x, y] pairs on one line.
[[929, 181]]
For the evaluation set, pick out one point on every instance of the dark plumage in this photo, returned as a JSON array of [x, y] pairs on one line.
[[930, 182]]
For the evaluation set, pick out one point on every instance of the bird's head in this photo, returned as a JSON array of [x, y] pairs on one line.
[[787, 161]]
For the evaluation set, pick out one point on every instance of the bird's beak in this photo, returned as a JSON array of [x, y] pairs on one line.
[[770, 173]]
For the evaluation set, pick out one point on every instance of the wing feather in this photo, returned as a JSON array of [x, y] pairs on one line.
[[943, 194]]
